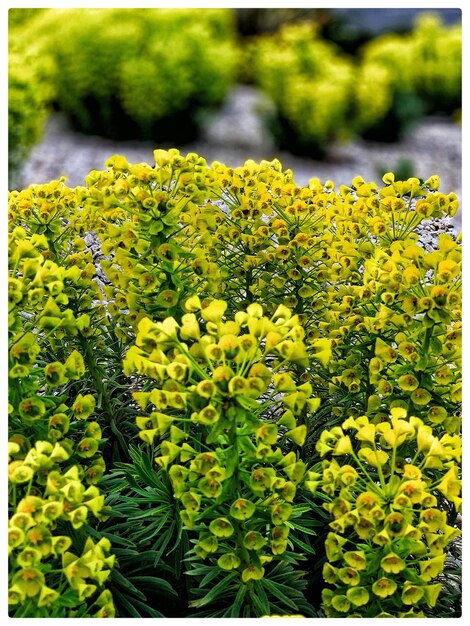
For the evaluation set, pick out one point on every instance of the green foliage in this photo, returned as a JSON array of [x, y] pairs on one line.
[[309, 82], [227, 386], [29, 96], [426, 62], [321, 94], [18, 17], [139, 72], [156, 73]]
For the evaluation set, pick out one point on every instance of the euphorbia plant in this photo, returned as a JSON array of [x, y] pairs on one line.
[[265, 328], [389, 534], [222, 409], [55, 460]]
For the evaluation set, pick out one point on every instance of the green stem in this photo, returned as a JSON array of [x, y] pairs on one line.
[[379, 469], [97, 379], [366, 473], [427, 339]]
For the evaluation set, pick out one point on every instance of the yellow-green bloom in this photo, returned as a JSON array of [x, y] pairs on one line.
[[253, 540], [209, 543], [349, 576], [252, 572], [280, 513], [420, 397], [206, 388], [358, 596], [267, 433], [329, 573], [87, 447], [432, 567], [450, 486], [384, 587], [433, 519], [15, 537], [29, 556], [333, 546], [298, 434], [395, 524], [31, 409], [431, 593], [340, 603], [213, 312], [408, 382], [78, 516], [83, 406], [392, 563], [29, 580], [16, 594], [279, 546], [211, 488], [221, 527], [411, 593], [55, 374], [228, 561], [242, 509], [208, 415], [19, 473], [356, 559], [295, 471], [191, 501], [47, 596], [343, 446], [61, 544], [262, 479]]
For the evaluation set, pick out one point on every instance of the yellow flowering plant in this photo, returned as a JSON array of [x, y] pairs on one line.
[[389, 533], [219, 414], [216, 337], [428, 56], [320, 94], [30, 91], [136, 72], [309, 82], [55, 461]]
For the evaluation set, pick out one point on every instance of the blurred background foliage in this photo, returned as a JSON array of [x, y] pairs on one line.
[[156, 74]]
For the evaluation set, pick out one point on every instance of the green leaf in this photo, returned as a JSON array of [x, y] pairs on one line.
[[151, 612], [302, 529], [238, 602], [218, 590], [209, 577], [301, 544], [118, 578], [155, 582], [276, 589], [261, 598], [132, 611], [68, 598]]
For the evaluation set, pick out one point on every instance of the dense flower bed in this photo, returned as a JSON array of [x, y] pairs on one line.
[[146, 73], [124, 73], [322, 94], [232, 388]]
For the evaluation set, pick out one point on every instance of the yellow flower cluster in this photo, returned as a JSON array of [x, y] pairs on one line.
[[307, 79], [129, 68], [29, 96], [231, 382], [320, 94], [427, 61], [255, 317], [387, 498], [54, 458]]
